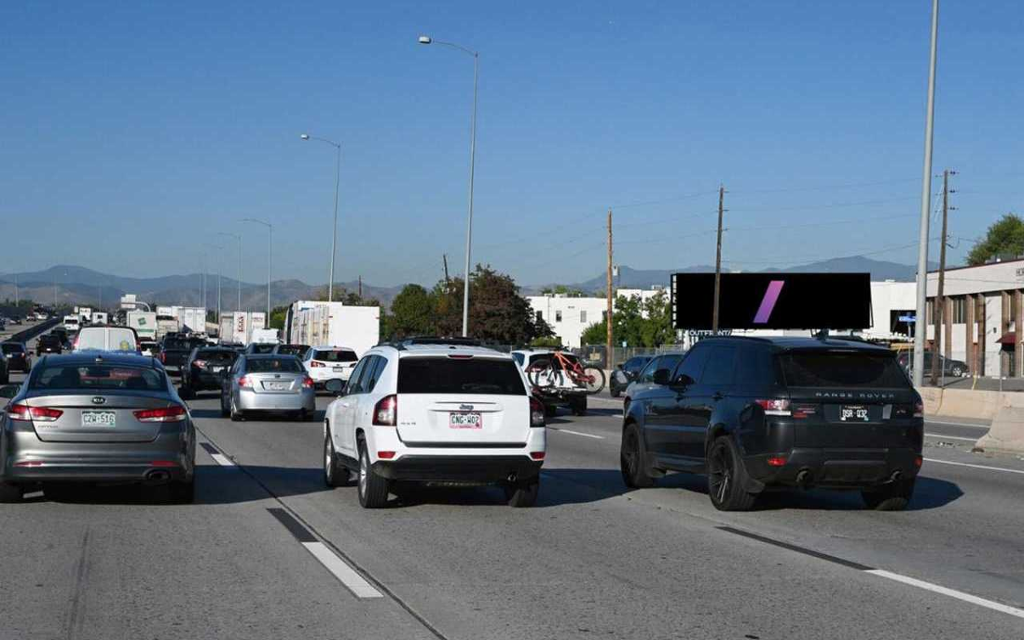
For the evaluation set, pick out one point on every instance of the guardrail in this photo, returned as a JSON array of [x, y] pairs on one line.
[[31, 332]]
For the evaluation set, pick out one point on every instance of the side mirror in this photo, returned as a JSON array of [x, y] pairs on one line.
[[661, 377], [683, 380], [335, 387], [619, 366]]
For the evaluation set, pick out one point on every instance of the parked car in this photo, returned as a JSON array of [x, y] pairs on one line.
[[267, 384], [755, 414], [432, 413], [259, 348], [625, 373], [105, 338], [97, 418], [646, 378], [49, 343], [329, 363], [297, 350], [562, 391], [17, 356], [205, 370], [947, 366]]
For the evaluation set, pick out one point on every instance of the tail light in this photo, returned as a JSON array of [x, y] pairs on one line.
[[385, 414], [315, 364], [536, 412], [166, 414], [777, 461], [39, 414], [163, 358], [244, 382], [801, 411], [200, 363], [307, 382], [775, 406], [537, 455], [75, 345], [919, 410]]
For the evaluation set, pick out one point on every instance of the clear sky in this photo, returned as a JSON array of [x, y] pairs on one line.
[[130, 133]]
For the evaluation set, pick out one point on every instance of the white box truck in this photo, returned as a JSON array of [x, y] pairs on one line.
[[333, 324], [100, 317], [144, 323], [237, 327], [85, 314], [194, 318]]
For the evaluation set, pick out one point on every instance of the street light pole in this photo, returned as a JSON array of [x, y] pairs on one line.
[[921, 322], [270, 254], [472, 171], [220, 268], [334, 232], [237, 236]]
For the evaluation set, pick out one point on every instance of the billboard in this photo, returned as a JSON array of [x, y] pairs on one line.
[[773, 300]]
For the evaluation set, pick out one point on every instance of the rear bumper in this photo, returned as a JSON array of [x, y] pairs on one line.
[[252, 401], [470, 469], [204, 381], [835, 468]]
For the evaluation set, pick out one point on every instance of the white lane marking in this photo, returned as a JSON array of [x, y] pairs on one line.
[[952, 593], [359, 587], [957, 424], [222, 460], [577, 433], [939, 435], [975, 466]]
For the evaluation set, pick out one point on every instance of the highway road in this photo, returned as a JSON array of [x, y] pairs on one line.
[[268, 552]]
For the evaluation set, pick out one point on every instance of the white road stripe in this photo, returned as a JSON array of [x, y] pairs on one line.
[[939, 435], [359, 587], [952, 593], [577, 433], [222, 460], [957, 424], [975, 466]]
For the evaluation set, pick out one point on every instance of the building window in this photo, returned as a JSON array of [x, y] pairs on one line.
[[583, 317], [540, 316], [558, 316], [959, 312]]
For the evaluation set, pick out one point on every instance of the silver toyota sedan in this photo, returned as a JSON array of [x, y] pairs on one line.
[[96, 417], [268, 384]]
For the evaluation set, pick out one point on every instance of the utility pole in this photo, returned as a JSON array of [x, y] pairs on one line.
[[608, 321], [360, 287], [940, 303], [447, 280], [718, 260], [17, 302]]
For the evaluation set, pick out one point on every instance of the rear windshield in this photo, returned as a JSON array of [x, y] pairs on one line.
[[293, 349], [842, 369], [274, 365], [49, 339], [262, 348], [11, 348], [335, 356], [219, 356], [177, 344], [99, 376], [450, 375]]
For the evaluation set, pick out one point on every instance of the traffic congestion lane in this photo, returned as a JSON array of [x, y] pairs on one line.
[[590, 558]]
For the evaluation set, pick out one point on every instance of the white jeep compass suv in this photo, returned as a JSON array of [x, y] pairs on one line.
[[434, 413]]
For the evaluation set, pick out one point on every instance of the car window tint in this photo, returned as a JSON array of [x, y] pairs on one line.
[[358, 373], [693, 364], [293, 349], [669, 362], [98, 377], [378, 370], [755, 366], [648, 372], [274, 365], [519, 358], [335, 356], [460, 376], [10, 347], [720, 368], [842, 369], [216, 356]]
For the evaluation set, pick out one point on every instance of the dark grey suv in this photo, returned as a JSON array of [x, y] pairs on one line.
[[756, 413]]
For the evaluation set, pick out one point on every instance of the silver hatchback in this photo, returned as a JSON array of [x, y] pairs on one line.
[[268, 384], [96, 417]]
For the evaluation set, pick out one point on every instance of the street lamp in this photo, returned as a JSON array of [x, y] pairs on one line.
[[237, 236], [270, 253], [334, 232], [219, 269], [472, 168]]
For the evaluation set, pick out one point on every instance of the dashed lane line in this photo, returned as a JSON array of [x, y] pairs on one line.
[[975, 466], [577, 433], [217, 456]]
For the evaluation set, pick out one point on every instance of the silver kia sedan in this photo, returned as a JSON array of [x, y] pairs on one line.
[[97, 417], [268, 384]]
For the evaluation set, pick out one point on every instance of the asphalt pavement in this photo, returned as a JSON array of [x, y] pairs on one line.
[[269, 552]]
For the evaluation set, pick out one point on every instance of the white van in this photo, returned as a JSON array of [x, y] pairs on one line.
[[107, 339]]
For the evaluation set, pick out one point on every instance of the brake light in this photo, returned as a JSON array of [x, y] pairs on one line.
[[801, 411], [39, 414], [385, 455], [536, 412], [537, 455], [244, 382], [200, 363], [918, 461], [314, 364], [776, 461], [385, 414], [307, 382], [919, 410], [775, 407], [166, 414]]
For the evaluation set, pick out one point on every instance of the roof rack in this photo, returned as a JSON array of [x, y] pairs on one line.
[[450, 341]]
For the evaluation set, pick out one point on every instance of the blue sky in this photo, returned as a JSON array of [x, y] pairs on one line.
[[130, 133]]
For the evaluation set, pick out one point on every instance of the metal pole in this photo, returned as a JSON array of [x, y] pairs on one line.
[[270, 263], [469, 220], [239, 272], [334, 231], [718, 260], [921, 325]]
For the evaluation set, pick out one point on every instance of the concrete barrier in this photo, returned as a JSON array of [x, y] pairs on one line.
[[932, 398], [1007, 431], [965, 403]]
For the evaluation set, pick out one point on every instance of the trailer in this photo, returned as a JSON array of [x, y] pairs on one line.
[[334, 324], [237, 327], [144, 323], [100, 317]]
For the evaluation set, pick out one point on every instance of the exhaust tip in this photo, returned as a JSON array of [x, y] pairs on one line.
[[157, 476], [896, 475], [803, 478]]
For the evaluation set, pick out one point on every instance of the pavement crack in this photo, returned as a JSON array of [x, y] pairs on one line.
[[76, 614]]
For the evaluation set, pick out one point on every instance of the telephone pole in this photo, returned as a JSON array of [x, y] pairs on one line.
[[608, 321], [360, 287], [447, 280], [718, 259], [940, 303]]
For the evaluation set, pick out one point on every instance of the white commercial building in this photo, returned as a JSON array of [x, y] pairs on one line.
[[568, 317]]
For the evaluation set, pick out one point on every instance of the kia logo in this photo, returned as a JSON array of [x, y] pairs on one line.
[[99, 400]]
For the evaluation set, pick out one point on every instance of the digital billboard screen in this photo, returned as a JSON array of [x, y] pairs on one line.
[[773, 300]]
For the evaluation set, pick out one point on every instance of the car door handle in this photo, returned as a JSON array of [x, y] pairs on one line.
[[346, 404], [718, 396]]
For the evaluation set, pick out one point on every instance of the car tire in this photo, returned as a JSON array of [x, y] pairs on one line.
[[727, 477], [307, 415], [614, 392], [11, 492], [894, 496], [236, 415], [957, 371], [183, 492], [579, 407], [373, 489], [225, 411], [335, 475], [522, 496], [550, 411], [632, 460]]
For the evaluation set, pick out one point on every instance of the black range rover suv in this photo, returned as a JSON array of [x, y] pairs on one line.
[[754, 414]]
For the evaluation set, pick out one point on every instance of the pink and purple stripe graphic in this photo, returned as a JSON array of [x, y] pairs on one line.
[[771, 296]]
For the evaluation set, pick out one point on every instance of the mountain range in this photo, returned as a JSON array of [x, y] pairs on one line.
[[79, 285]]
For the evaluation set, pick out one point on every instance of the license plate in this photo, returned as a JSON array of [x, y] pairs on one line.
[[277, 386], [216, 369], [339, 368], [848, 413], [99, 419], [465, 420]]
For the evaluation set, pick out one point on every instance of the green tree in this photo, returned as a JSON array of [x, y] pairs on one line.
[[277, 317], [638, 323], [413, 312], [497, 311], [1004, 237]]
